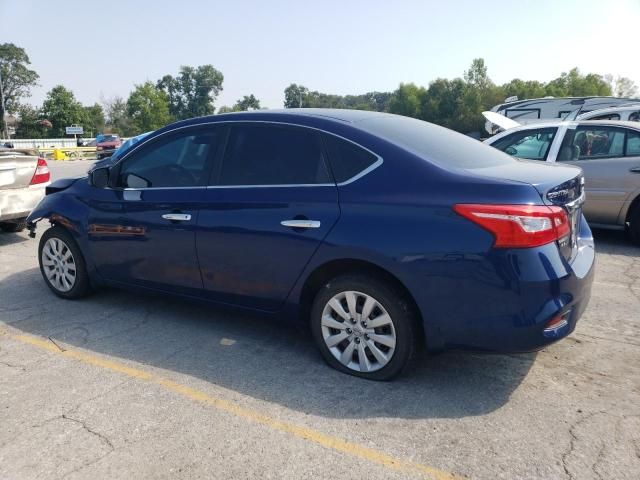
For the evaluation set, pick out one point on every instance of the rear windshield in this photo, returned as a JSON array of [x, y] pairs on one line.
[[439, 145]]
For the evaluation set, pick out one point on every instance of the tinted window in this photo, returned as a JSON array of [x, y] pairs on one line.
[[633, 144], [522, 113], [273, 155], [634, 117], [436, 144], [530, 144], [609, 116], [587, 143], [180, 160], [347, 159]]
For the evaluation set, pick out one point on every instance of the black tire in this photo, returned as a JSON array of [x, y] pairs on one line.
[[634, 225], [13, 227], [403, 319], [81, 286]]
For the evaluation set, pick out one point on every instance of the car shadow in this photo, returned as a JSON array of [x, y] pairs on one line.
[[11, 238], [615, 242], [266, 359]]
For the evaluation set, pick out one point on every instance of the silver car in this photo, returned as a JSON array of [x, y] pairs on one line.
[[23, 179], [608, 152]]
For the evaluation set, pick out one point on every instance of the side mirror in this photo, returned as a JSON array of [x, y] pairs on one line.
[[99, 177]]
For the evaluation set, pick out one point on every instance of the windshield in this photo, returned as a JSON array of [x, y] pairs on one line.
[[130, 142], [106, 138]]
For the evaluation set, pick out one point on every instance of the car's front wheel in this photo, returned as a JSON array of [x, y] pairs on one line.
[[363, 327], [62, 264]]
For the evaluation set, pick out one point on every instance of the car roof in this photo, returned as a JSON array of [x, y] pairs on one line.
[[343, 115], [604, 111], [313, 117], [558, 123]]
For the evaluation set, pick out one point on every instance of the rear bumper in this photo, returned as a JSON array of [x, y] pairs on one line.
[[504, 303], [19, 202]]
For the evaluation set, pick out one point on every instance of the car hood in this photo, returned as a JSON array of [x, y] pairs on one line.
[[500, 120]]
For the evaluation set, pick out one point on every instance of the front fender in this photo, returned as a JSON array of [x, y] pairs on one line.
[[66, 209]]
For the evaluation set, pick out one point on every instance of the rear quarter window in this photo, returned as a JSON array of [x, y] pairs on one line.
[[346, 159]]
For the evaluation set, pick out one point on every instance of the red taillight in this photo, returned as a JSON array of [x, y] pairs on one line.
[[518, 226], [42, 174]]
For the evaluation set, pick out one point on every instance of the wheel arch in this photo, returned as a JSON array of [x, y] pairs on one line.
[[635, 203], [333, 268]]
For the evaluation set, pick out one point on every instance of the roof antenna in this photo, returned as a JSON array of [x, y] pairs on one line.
[[571, 116]]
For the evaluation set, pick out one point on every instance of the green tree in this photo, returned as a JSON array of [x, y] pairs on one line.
[[62, 109], [17, 78], [192, 92], [117, 117], [147, 108], [248, 102], [407, 100], [523, 89], [295, 96], [30, 123], [575, 84], [622, 86], [94, 120]]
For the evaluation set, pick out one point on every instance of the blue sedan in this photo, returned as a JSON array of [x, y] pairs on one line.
[[384, 233]]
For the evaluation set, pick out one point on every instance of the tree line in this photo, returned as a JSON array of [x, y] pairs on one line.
[[454, 103], [458, 103]]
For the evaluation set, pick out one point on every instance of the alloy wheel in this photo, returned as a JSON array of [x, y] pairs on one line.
[[58, 264], [358, 331]]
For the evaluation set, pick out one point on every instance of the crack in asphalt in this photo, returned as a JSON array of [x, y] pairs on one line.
[[103, 438], [573, 440], [12, 365], [84, 425]]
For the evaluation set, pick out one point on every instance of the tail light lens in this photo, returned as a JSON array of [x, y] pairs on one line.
[[518, 226], [42, 174]]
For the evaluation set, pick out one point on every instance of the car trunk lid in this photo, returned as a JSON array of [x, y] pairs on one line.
[[17, 168], [560, 185]]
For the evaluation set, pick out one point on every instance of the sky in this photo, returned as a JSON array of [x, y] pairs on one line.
[[102, 49]]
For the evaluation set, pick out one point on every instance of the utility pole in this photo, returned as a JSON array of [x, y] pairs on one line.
[[4, 131], [300, 98]]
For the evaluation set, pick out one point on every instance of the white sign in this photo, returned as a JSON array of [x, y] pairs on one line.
[[73, 130]]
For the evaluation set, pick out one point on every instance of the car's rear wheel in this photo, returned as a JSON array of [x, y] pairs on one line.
[[363, 327], [62, 264], [14, 226]]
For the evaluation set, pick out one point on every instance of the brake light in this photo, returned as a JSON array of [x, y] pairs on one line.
[[518, 226], [42, 174]]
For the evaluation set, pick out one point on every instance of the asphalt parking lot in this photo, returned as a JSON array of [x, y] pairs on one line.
[[119, 385]]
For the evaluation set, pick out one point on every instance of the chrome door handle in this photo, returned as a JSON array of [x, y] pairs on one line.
[[177, 217], [635, 170], [300, 223]]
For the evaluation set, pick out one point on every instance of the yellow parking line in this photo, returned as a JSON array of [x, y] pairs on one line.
[[305, 433]]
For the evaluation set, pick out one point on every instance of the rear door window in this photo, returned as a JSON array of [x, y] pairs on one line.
[[633, 144], [259, 154], [529, 144]]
